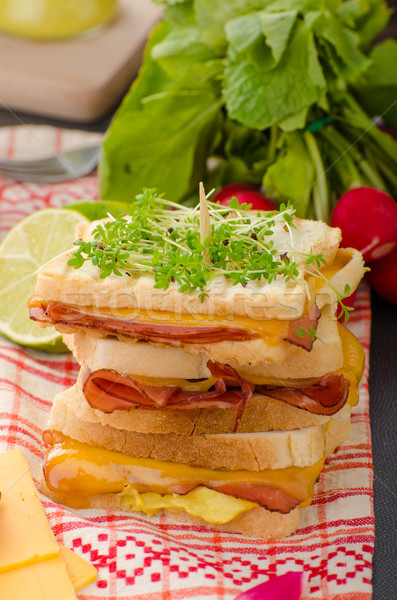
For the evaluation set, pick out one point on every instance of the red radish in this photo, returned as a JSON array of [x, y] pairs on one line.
[[246, 193], [231, 189], [383, 276], [349, 301], [368, 220], [389, 130]]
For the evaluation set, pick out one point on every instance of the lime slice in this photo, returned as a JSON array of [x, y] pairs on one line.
[[29, 245]]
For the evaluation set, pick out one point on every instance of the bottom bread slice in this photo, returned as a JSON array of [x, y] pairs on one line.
[[250, 451], [257, 522]]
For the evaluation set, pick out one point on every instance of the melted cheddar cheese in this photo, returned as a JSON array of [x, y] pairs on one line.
[[77, 471], [353, 362]]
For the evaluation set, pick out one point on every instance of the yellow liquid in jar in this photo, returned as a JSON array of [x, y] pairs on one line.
[[54, 19]]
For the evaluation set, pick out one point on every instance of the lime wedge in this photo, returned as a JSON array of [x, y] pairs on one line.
[[29, 245]]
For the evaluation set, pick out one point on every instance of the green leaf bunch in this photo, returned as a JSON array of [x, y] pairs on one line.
[[264, 91]]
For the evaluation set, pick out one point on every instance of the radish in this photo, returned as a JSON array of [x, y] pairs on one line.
[[383, 276], [246, 193], [368, 220]]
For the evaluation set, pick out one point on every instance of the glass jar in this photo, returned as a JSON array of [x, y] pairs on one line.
[[54, 19]]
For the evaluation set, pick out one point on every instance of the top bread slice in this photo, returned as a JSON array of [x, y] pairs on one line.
[[281, 299]]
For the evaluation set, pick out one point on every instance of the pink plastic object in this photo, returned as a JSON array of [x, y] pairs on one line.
[[284, 587]]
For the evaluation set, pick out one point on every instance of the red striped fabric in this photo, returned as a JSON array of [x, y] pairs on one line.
[[154, 559]]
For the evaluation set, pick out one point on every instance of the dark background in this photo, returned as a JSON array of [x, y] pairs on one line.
[[383, 397]]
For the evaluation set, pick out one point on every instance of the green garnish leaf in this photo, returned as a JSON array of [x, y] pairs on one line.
[[301, 332], [246, 85], [316, 259]]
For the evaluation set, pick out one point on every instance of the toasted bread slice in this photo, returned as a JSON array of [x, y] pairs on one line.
[[253, 451], [259, 300], [283, 361]]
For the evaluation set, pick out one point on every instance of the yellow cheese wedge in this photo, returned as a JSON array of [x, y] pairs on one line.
[[24, 529], [45, 580], [32, 564], [80, 571], [56, 578]]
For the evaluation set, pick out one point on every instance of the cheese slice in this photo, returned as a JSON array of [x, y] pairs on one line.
[[353, 363], [44, 580], [24, 529], [78, 470], [32, 564], [80, 571]]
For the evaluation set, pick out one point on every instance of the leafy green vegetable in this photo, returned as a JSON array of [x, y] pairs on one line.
[[377, 90], [261, 36], [95, 210], [262, 91], [347, 57], [169, 146], [293, 157], [260, 98]]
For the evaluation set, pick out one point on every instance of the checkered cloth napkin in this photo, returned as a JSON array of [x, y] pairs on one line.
[[154, 559]]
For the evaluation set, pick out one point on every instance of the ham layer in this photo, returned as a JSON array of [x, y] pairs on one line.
[[55, 313], [107, 390], [73, 318]]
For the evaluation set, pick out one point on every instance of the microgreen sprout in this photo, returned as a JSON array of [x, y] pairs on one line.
[[345, 310], [163, 238], [317, 260], [301, 332]]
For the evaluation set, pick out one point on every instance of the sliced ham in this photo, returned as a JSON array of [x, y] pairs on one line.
[[326, 397], [107, 390], [72, 319], [299, 330], [270, 497], [55, 313]]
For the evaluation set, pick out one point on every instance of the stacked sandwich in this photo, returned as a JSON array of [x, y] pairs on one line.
[[214, 376]]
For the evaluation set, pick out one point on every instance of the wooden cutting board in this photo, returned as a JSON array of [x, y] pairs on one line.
[[77, 79]]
